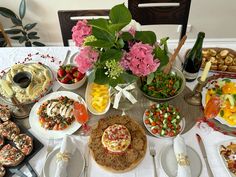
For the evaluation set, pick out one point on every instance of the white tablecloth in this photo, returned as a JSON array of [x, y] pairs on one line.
[[211, 139]]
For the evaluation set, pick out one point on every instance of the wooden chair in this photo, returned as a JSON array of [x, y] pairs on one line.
[[161, 12], [68, 18], [5, 35]]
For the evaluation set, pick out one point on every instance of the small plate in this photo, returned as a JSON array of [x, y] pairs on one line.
[[218, 118], [53, 134], [75, 166], [225, 143], [169, 163]]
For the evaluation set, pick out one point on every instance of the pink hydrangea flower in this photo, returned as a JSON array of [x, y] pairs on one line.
[[86, 58], [80, 31], [140, 60]]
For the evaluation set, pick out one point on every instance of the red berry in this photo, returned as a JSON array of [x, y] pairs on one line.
[[75, 74], [80, 75], [65, 80], [74, 69], [61, 72], [70, 77]]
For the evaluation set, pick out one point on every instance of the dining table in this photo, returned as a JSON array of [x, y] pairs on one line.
[[54, 56]]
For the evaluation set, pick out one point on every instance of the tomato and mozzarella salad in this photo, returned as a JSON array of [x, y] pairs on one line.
[[163, 120]]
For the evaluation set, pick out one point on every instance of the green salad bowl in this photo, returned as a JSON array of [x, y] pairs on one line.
[[174, 71]]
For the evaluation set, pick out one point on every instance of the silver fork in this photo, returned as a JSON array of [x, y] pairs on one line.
[[48, 150], [153, 154]]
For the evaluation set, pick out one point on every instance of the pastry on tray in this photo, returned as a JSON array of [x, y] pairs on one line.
[[9, 130], [10, 156], [5, 113], [118, 143], [24, 143]]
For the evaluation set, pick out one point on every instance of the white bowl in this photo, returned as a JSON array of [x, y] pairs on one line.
[[74, 85]]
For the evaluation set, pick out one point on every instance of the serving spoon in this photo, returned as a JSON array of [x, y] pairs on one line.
[[168, 67]]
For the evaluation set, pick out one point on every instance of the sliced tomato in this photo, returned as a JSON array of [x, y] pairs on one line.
[[154, 131], [147, 121], [212, 107], [154, 124]]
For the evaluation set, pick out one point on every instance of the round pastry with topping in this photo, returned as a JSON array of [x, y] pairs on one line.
[[118, 143], [5, 113], [2, 171], [10, 156], [24, 143], [9, 130], [116, 138]]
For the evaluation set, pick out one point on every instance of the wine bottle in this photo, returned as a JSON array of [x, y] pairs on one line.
[[193, 59]]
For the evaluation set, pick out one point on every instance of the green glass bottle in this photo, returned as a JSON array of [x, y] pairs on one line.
[[193, 59]]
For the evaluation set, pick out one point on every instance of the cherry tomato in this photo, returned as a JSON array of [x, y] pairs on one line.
[[154, 131], [147, 113], [212, 107], [147, 121], [171, 133], [154, 123]]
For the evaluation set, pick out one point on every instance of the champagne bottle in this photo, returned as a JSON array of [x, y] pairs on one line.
[[193, 59]]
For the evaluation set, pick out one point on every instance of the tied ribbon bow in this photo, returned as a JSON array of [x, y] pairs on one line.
[[126, 93], [182, 159], [63, 156]]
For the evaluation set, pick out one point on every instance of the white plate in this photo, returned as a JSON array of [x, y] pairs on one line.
[[88, 99], [75, 166], [53, 134], [225, 143], [169, 163], [148, 127], [218, 118]]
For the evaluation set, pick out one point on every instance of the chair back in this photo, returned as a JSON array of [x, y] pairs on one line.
[[69, 18], [161, 12]]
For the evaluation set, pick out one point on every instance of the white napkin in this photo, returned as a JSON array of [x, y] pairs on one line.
[[67, 149], [182, 157]]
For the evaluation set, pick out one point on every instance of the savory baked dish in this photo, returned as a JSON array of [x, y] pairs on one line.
[[5, 113], [118, 143], [229, 155], [41, 79], [24, 143], [9, 130], [56, 114], [10, 156], [222, 59]]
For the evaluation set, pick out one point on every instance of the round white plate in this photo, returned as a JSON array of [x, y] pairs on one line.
[[169, 163], [218, 118], [53, 134], [75, 166], [148, 127], [225, 143]]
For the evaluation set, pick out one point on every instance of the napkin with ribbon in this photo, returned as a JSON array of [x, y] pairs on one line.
[[180, 150], [66, 151], [126, 93]]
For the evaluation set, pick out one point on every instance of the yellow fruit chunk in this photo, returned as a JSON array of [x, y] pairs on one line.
[[100, 96]]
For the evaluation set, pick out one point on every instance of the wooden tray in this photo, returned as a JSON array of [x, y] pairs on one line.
[[37, 146], [219, 64]]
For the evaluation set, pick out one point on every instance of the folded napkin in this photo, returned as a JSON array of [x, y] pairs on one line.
[[180, 150], [67, 149]]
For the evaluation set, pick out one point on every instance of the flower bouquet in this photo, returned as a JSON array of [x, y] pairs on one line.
[[118, 52]]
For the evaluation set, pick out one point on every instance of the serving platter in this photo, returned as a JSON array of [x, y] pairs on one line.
[[225, 144], [53, 134]]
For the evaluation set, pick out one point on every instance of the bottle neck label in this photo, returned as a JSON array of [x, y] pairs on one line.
[[190, 76]]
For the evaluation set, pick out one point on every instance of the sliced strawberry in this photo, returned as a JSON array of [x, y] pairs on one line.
[[61, 72], [80, 76], [74, 69], [65, 80], [70, 77]]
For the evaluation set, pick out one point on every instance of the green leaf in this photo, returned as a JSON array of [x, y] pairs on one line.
[[162, 56], [33, 37], [147, 37], [163, 41], [16, 21], [120, 43], [126, 36], [33, 33], [22, 9], [100, 77], [150, 77], [103, 35], [120, 15], [100, 23], [28, 44], [100, 44], [30, 26], [36, 43], [13, 31], [16, 37], [7, 12], [111, 54], [22, 39], [114, 82]]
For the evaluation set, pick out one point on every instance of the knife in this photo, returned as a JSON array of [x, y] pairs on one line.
[[203, 150]]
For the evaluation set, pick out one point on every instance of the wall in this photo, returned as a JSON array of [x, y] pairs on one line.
[[215, 17]]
